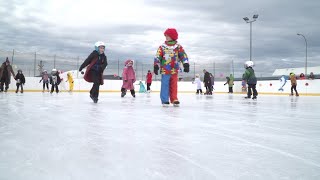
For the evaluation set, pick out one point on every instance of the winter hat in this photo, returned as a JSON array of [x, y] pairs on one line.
[[171, 32], [127, 62], [7, 60]]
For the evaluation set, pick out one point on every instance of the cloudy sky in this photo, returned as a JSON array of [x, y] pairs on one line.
[[209, 30]]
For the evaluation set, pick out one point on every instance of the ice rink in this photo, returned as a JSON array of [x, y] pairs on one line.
[[68, 137]]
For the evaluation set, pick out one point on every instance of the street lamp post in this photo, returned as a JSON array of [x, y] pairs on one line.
[[306, 63], [255, 17]]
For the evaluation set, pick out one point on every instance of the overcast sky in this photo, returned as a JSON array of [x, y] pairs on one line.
[[209, 30]]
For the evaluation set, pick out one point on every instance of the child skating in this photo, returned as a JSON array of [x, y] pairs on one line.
[[45, 80], [250, 78], [20, 81], [167, 59], [142, 89], [96, 64], [70, 80], [197, 81], [55, 81], [149, 81], [128, 78]]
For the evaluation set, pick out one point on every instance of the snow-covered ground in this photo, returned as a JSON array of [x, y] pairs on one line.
[[67, 136]]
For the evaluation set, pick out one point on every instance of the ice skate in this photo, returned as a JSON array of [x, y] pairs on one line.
[[176, 103], [133, 93], [16, 91], [247, 97], [254, 98], [123, 93], [95, 100], [165, 104]]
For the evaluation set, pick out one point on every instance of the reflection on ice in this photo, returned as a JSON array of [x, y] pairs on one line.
[[66, 136]]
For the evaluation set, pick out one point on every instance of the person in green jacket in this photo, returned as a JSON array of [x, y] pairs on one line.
[[251, 80], [230, 83]]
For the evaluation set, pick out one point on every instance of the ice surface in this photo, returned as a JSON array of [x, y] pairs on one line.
[[66, 136]]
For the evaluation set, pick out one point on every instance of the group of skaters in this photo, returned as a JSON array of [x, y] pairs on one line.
[[6, 71], [54, 80], [170, 59], [248, 76]]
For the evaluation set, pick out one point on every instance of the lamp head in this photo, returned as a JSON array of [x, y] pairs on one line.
[[246, 19]]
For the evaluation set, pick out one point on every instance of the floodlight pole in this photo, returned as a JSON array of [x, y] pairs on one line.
[[306, 62], [251, 21]]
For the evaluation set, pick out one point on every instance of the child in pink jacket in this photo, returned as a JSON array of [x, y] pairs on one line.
[[128, 78]]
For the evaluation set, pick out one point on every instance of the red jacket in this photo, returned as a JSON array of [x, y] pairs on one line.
[[149, 78]]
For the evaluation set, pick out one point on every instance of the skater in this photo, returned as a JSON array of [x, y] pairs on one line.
[[142, 89], [167, 59], [96, 62], [45, 80], [207, 82], [55, 81], [251, 80], [197, 81], [293, 80], [20, 81], [128, 78], [149, 81], [70, 80], [230, 80], [5, 75]]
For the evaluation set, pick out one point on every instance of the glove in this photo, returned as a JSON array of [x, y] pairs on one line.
[[40, 81], [186, 67], [82, 72], [125, 80], [156, 69], [224, 84]]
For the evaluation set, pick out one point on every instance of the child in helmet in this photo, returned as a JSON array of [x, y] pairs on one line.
[[250, 78], [95, 63], [70, 80], [128, 78], [54, 80], [293, 80], [197, 81], [168, 58], [20, 81], [45, 80]]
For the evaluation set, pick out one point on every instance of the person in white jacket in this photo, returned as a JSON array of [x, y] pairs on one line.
[[197, 81]]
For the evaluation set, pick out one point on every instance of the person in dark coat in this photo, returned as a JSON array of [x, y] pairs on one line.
[[5, 75], [55, 80], [20, 80], [207, 82], [96, 64]]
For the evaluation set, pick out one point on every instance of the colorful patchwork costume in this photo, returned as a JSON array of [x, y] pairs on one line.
[[168, 57]]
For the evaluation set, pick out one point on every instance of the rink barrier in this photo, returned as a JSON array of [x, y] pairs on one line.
[[265, 87]]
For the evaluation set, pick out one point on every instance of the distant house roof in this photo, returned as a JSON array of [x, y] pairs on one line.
[[287, 71]]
